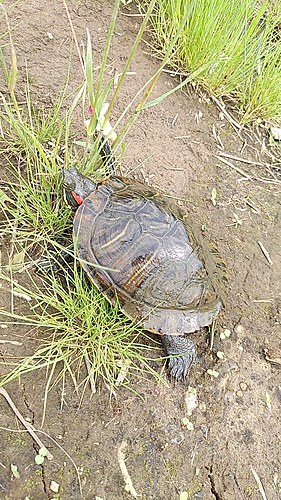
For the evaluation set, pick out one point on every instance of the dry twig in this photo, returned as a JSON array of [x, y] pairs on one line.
[[90, 373], [125, 474], [26, 424], [74, 38], [234, 168], [259, 483], [244, 160], [265, 252], [226, 114], [13, 342]]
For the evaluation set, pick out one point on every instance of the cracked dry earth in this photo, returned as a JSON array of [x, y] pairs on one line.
[[237, 425]]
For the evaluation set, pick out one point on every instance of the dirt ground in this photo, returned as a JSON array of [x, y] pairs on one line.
[[237, 423]]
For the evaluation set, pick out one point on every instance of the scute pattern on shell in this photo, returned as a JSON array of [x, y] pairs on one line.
[[165, 273]]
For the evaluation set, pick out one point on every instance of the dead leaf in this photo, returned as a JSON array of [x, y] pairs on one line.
[[16, 262]]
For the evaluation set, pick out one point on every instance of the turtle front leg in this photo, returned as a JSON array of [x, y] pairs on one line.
[[183, 354], [54, 262]]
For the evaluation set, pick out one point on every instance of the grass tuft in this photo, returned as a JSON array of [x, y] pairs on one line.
[[239, 45], [74, 322]]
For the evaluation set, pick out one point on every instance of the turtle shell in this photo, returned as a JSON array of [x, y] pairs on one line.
[[140, 249]]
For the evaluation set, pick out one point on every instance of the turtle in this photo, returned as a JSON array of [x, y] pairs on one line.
[[142, 251]]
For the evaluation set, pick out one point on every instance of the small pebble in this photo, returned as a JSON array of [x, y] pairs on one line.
[[228, 366], [173, 434], [190, 400], [243, 386], [229, 396], [54, 486], [239, 329], [239, 394], [276, 133], [202, 407]]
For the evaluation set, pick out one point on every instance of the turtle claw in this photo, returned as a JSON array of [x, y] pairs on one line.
[[179, 366], [183, 354]]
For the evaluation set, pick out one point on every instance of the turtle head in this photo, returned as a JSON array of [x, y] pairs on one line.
[[76, 187]]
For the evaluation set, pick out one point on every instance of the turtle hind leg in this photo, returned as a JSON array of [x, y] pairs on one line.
[[182, 352], [55, 261]]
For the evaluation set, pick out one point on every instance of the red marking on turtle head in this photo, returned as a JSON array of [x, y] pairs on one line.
[[77, 198]]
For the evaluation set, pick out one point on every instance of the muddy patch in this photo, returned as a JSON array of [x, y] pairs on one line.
[[236, 423]]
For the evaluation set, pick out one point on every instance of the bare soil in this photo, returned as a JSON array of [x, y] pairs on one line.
[[237, 422]]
